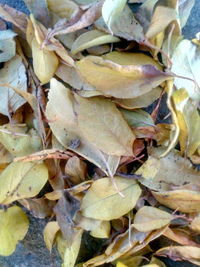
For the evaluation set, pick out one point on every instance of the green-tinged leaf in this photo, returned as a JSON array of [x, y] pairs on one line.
[[149, 218], [22, 180], [7, 45], [104, 126], [45, 62], [63, 123], [12, 74], [49, 234], [90, 39], [137, 118], [13, 228], [111, 10], [127, 75], [187, 65], [102, 231], [102, 198], [19, 141]]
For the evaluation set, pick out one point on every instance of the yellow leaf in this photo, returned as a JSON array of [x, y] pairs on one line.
[[63, 8], [13, 228], [92, 38], [63, 123], [22, 180], [104, 126], [103, 202], [102, 231], [120, 264], [127, 75], [18, 141], [45, 62], [49, 234], [149, 218]]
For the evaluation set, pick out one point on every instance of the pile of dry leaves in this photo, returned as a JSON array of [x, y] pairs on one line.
[[77, 145]]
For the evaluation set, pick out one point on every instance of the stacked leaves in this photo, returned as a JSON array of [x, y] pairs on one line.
[[77, 146]]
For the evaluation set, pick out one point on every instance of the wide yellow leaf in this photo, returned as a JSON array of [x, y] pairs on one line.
[[22, 180], [149, 218], [63, 123], [18, 141], [49, 233], [104, 126], [187, 201], [92, 38], [168, 173], [45, 62], [127, 75], [120, 264], [102, 198], [13, 228]]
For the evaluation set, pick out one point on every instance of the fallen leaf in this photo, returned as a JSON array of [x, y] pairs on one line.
[[49, 234], [101, 200], [90, 39], [16, 181], [102, 231], [7, 45], [149, 218], [14, 226], [103, 125], [123, 80], [13, 73]]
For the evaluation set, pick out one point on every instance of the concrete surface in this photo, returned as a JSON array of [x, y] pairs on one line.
[[31, 252]]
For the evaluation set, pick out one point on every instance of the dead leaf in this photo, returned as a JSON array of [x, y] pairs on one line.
[[101, 200], [7, 45], [14, 226], [49, 234]]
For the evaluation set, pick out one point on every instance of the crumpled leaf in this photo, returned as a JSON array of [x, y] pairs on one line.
[[49, 233], [12, 74], [128, 75], [39, 9], [13, 228], [76, 169], [18, 140], [189, 253], [7, 45], [16, 181], [103, 125], [14, 16], [101, 200], [149, 218], [63, 123], [65, 210], [186, 65], [79, 21], [90, 39], [63, 8]]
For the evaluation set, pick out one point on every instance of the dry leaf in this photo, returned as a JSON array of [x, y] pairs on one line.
[[7, 45], [14, 226], [101, 200], [49, 234]]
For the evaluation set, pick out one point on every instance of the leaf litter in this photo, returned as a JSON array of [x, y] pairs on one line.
[[99, 130]]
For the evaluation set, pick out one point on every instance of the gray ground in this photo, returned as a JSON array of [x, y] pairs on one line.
[[31, 252]]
